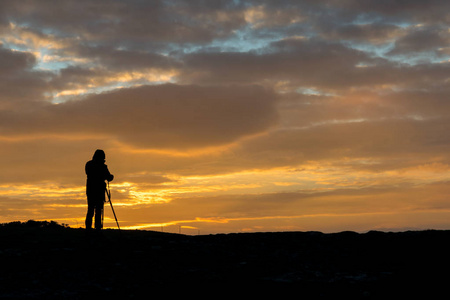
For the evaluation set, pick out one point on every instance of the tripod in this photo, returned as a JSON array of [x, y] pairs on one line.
[[108, 192]]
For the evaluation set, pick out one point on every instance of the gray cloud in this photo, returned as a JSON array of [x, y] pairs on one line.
[[164, 116], [19, 83], [421, 40], [310, 63], [129, 22], [384, 142], [14, 62], [416, 10], [302, 61]]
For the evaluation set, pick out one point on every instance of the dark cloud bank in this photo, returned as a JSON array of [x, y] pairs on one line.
[[163, 116]]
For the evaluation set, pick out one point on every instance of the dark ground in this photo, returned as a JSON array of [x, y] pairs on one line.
[[44, 260]]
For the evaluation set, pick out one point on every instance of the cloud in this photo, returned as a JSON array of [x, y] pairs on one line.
[[422, 39], [13, 61], [164, 116], [303, 61], [416, 10], [264, 16], [18, 82], [125, 59], [372, 141], [131, 22]]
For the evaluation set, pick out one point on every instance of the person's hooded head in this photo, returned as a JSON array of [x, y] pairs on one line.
[[99, 156]]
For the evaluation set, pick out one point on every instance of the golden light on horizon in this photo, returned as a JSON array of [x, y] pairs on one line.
[[315, 187]]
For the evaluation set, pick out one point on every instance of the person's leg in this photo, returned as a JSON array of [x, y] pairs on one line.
[[98, 216], [89, 216]]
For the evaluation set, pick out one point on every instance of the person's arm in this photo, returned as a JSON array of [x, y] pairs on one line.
[[108, 176]]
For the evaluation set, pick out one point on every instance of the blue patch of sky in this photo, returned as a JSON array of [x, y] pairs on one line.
[[372, 18], [245, 40], [240, 41], [383, 51], [418, 58], [373, 50], [50, 65]]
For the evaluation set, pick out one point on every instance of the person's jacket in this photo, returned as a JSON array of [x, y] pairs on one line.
[[97, 172]]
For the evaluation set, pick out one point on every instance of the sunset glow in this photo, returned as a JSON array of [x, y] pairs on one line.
[[228, 116]]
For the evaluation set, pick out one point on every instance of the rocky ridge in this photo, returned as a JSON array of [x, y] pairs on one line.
[[45, 260]]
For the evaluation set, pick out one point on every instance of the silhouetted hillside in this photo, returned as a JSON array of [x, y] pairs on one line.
[[45, 260]]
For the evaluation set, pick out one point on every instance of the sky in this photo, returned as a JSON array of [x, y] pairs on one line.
[[228, 116]]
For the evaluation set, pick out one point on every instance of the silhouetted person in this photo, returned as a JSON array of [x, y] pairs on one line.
[[97, 172]]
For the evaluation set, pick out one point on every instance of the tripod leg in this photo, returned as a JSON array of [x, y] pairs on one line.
[[117, 222], [108, 192]]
